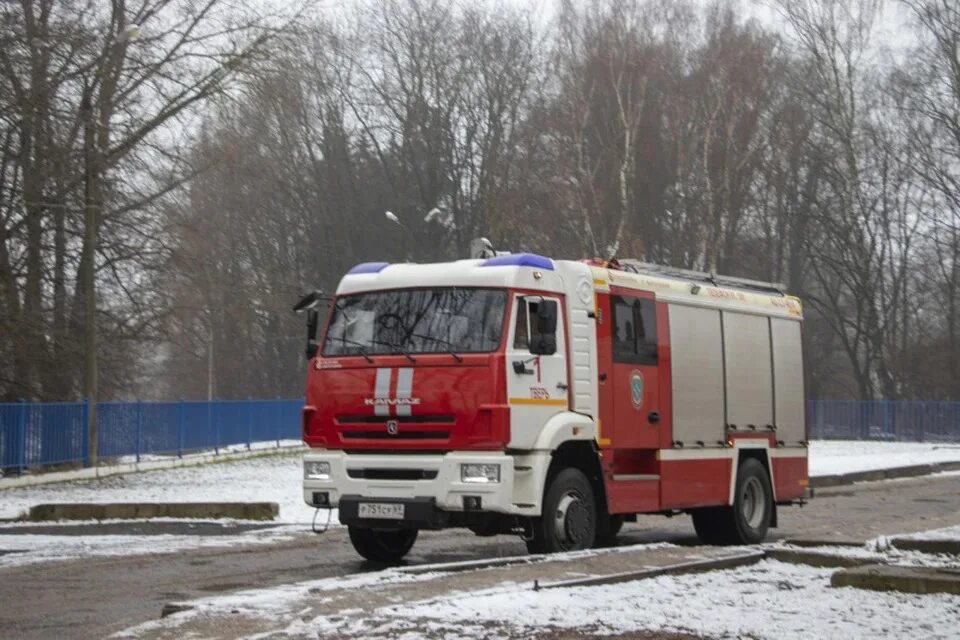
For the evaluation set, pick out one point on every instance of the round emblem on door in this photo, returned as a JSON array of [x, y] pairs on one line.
[[636, 389], [392, 427]]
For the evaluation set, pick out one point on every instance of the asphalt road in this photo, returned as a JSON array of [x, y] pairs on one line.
[[95, 597]]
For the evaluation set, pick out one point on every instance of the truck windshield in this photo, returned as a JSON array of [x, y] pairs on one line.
[[441, 320]]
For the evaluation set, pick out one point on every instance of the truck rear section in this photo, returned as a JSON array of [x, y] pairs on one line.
[[554, 400]]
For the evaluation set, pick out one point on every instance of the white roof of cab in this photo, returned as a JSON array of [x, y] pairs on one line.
[[539, 275]]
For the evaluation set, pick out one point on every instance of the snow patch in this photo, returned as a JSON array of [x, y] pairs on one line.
[[829, 457], [947, 533]]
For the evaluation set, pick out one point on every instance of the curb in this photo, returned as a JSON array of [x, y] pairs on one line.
[[136, 511], [922, 580], [874, 475], [696, 566], [927, 546], [817, 559], [95, 473], [473, 565], [825, 542]]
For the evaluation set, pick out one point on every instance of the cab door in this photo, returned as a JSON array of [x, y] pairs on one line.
[[633, 378], [537, 385]]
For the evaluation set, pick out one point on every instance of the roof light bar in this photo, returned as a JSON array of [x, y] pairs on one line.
[[520, 260], [368, 267]]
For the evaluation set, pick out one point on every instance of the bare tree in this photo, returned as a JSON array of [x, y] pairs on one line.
[[929, 98], [94, 89]]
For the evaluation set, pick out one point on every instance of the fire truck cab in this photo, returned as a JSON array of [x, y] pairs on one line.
[[553, 399]]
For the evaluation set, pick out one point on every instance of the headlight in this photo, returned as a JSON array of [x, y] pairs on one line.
[[480, 473], [314, 470]]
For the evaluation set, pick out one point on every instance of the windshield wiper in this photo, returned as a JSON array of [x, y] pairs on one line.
[[396, 346], [403, 351], [449, 345], [360, 348]]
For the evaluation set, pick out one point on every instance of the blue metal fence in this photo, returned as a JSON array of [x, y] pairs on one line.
[[45, 434], [53, 433], [902, 420]]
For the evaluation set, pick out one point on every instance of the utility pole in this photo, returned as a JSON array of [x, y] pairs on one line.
[[210, 379], [88, 276], [95, 128]]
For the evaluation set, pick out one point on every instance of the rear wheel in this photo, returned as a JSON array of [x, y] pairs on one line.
[[747, 520], [385, 546], [709, 525], [569, 520]]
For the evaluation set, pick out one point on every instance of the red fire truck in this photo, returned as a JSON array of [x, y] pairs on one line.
[[553, 399]]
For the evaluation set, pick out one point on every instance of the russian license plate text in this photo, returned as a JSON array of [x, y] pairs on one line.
[[381, 510]]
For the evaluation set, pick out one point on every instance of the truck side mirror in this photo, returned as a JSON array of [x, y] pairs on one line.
[[547, 316], [313, 319], [545, 340], [310, 304]]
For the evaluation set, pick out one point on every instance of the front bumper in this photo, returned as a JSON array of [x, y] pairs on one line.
[[438, 482]]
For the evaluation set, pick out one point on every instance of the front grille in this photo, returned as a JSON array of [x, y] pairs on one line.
[[401, 435], [393, 474], [420, 419]]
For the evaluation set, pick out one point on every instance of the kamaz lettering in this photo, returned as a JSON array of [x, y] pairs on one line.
[[390, 402]]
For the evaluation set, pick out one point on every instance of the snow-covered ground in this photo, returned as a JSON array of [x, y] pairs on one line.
[[947, 533], [768, 600], [828, 457], [275, 478], [771, 599]]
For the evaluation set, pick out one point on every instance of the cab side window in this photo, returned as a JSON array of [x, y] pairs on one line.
[[634, 330], [536, 325], [525, 332]]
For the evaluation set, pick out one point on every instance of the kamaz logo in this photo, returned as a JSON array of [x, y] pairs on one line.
[[391, 402]]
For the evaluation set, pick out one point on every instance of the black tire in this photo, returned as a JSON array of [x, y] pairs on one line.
[[607, 529], [569, 520], [383, 546], [747, 521], [710, 525]]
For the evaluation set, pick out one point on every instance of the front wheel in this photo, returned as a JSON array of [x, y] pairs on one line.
[[607, 530], [569, 520], [384, 546]]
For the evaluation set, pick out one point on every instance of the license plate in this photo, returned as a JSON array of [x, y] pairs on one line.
[[384, 511]]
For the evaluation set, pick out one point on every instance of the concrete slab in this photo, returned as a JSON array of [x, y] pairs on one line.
[[904, 579], [817, 559], [927, 546], [694, 566], [128, 511], [825, 542]]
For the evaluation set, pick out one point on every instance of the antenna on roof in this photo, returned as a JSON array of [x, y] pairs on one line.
[[482, 248]]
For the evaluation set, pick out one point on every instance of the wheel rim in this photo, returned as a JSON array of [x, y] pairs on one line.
[[572, 520], [752, 502]]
